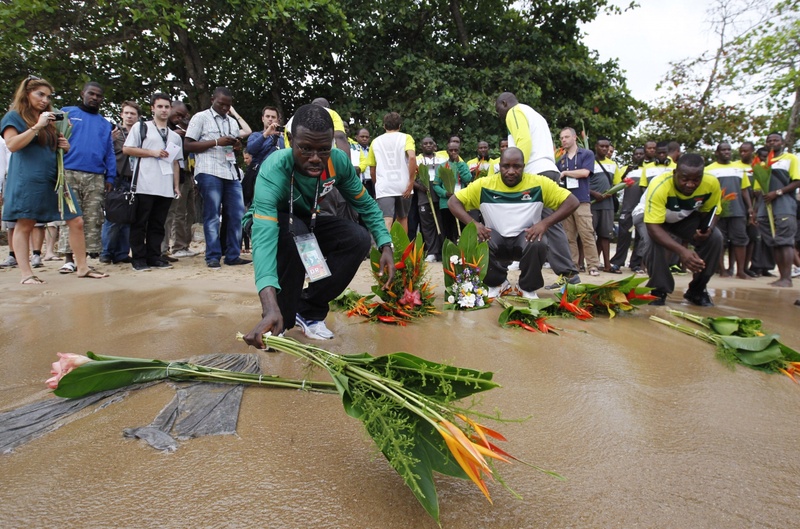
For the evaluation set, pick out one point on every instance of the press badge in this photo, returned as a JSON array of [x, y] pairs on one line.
[[229, 154], [311, 256]]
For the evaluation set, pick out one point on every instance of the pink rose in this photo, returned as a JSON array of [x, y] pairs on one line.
[[66, 363]]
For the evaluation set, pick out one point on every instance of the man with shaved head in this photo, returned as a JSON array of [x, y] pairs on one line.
[[511, 204], [529, 132]]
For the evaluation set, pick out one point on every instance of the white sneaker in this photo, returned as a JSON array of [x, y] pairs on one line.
[[313, 329], [529, 295], [36, 261], [496, 292], [11, 262], [795, 271], [513, 266], [430, 258], [546, 265], [183, 253]]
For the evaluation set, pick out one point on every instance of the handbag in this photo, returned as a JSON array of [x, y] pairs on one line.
[[120, 202]]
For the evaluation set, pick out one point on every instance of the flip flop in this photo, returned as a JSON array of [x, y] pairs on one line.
[[68, 268], [93, 274], [32, 280]]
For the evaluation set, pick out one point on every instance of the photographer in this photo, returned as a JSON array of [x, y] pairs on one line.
[[260, 145]]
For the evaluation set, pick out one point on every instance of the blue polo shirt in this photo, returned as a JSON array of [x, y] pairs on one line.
[[583, 159]]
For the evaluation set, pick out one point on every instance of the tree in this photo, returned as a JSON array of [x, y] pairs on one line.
[[694, 111], [768, 54], [440, 63]]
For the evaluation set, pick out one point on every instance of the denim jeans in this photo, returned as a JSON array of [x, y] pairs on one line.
[[226, 194], [116, 240]]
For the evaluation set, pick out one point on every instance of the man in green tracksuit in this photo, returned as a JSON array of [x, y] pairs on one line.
[[290, 186]]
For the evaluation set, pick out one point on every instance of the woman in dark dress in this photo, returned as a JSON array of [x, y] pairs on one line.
[[30, 195]]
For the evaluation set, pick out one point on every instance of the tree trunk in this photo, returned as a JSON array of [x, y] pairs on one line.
[[199, 93], [463, 38]]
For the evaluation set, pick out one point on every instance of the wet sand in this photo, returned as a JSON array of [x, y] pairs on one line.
[[649, 429]]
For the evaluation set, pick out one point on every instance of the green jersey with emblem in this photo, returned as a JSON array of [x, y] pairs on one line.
[[273, 188], [664, 203], [510, 210]]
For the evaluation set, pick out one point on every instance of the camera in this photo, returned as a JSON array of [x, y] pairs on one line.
[[280, 128], [58, 116]]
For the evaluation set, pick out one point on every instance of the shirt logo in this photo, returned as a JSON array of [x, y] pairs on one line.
[[327, 187], [526, 196]]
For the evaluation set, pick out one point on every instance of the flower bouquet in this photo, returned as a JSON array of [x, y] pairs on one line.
[[623, 295], [409, 296], [64, 128], [408, 405], [762, 173], [465, 266], [532, 316], [740, 341], [613, 190], [348, 300], [725, 202]]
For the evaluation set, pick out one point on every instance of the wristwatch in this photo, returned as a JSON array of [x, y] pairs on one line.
[[779, 192], [384, 246]]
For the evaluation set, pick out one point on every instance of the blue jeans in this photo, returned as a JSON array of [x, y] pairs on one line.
[[116, 240], [227, 194]]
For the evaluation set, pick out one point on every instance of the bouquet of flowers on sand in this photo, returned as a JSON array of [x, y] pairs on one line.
[[64, 127], [410, 295], [580, 301], [409, 406], [465, 266], [740, 341]]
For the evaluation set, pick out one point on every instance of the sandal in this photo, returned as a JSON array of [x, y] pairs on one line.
[[93, 274], [593, 272], [68, 268], [32, 280], [613, 269], [53, 258]]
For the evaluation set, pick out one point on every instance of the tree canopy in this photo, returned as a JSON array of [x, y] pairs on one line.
[[439, 63]]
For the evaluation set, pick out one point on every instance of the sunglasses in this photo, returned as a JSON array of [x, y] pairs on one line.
[[31, 78]]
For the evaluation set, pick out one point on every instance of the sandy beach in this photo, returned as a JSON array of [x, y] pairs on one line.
[[649, 429]]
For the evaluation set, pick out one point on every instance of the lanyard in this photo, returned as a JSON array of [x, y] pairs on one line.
[[214, 119], [314, 210], [163, 136]]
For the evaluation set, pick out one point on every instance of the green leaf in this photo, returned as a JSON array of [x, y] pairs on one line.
[[104, 374], [761, 357]]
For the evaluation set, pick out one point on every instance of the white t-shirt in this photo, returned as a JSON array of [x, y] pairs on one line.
[[391, 164], [5, 156], [153, 179], [541, 156]]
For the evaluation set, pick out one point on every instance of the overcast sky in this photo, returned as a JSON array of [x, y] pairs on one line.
[[647, 38]]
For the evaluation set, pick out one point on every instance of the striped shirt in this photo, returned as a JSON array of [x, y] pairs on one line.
[[208, 125]]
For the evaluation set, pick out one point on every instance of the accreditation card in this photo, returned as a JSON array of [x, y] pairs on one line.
[[311, 256]]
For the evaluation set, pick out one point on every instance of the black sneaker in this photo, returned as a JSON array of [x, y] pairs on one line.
[[160, 263], [750, 273], [237, 261], [140, 265], [105, 260], [701, 299], [123, 260], [169, 259], [661, 298], [213, 264]]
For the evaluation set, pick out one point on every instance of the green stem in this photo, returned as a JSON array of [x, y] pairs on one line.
[[690, 317], [706, 337]]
